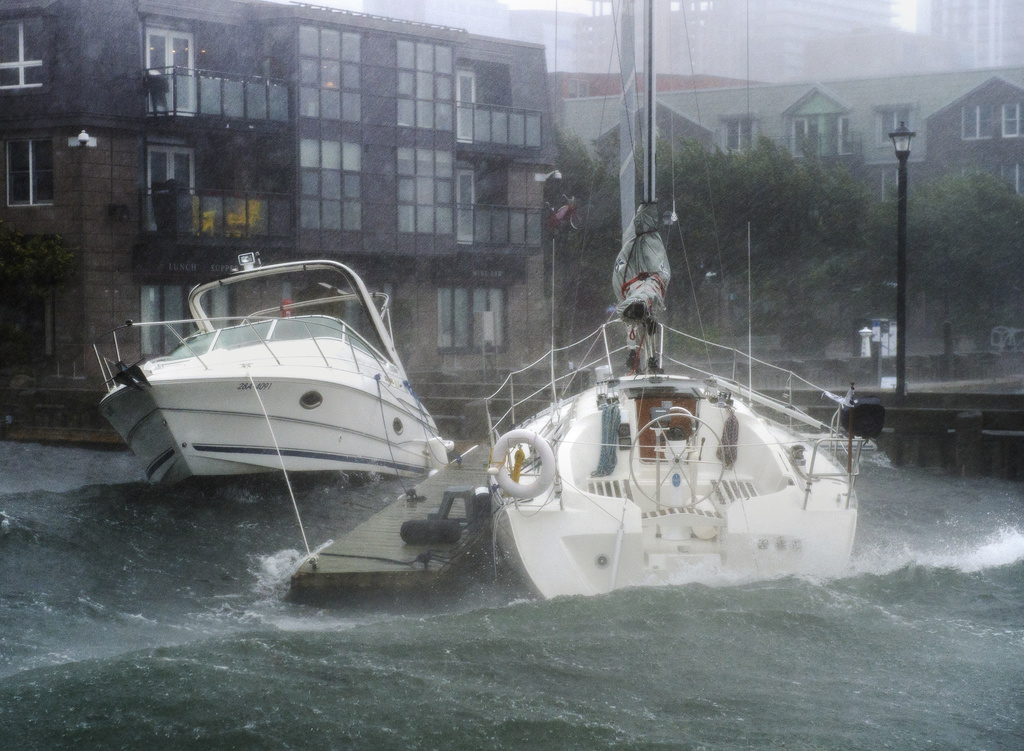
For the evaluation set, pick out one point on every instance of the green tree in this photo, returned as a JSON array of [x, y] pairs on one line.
[[31, 268], [965, 236]]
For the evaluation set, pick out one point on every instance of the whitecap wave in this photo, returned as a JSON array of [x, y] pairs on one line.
[[1003, 548]]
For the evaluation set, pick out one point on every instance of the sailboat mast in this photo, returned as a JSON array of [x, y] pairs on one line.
[[649, 194]]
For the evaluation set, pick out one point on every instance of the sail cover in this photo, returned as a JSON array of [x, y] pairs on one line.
[[641, 274]]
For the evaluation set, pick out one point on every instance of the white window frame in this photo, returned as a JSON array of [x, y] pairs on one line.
[[888, 120], [21, 63], [743, 140], [465, 198], [464, 118], [186, 94], [971, 115], [1011, 120], [32, 174]]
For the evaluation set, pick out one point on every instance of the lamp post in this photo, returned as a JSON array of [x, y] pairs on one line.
[[901, 143]]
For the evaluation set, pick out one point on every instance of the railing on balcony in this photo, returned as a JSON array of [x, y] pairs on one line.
[[504, 126], [191, 92], [497, 225], [183, 213]]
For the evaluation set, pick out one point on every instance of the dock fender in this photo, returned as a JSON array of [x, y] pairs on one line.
[[437, 450], [541, 450]]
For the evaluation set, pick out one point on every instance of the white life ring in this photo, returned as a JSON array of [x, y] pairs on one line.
[[543, 451]]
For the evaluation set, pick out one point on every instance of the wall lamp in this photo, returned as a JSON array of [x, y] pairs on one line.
[[542, 177], [82, 139]]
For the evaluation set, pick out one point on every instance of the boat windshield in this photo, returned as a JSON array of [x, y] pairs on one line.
[[311, 294], [273, 330], [197, 344]]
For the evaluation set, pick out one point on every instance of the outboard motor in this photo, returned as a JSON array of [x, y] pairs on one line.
[[866, 414]]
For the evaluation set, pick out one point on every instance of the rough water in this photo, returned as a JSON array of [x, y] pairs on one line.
[[136, 617]]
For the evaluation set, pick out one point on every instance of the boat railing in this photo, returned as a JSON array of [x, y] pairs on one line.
[[596, 350], [127, 341], [840, 447]]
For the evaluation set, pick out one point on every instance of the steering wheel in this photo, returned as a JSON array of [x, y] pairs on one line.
[[679, 455]]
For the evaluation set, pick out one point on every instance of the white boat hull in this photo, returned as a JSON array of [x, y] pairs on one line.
[[217, 426]]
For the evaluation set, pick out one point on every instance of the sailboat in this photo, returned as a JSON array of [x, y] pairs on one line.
[[652, 477]]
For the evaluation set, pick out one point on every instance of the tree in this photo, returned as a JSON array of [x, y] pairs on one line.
[[965, 235], [31, 268]]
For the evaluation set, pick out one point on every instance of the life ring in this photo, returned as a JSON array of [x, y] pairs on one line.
[[540, 447]]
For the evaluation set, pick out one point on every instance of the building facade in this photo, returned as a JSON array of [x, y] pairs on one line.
[[964, 120], [217, 127]]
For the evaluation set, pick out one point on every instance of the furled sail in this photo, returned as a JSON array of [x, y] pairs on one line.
[[641, 273]]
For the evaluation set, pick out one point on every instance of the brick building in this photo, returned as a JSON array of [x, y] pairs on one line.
[[414, 153]]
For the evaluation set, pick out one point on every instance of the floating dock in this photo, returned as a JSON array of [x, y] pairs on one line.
[[435, 539]]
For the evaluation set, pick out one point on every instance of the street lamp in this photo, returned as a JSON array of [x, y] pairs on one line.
[[901, 143]]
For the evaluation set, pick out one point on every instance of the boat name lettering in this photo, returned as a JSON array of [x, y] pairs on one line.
[[261, 386]]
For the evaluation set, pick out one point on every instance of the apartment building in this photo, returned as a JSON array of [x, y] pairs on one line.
[[161, 139]]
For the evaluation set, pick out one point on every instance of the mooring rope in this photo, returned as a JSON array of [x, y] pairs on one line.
[[280, 458]]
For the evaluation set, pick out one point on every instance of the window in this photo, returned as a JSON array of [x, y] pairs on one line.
[[21, 57], [1014, 174], [1011, 121], [978, 121], [470, 318], [844, 138], [424, 85], [424, 191], [170, 60], [161, 302], [29, 173], [578, 87], [738, 133], [329, 74], [329, 174], [888, 120], [170, 172]]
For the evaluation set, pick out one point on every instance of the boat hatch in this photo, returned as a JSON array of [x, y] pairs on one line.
[[672, 422]]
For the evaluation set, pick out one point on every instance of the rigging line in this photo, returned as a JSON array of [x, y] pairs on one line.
[[280, 458], [384, 424]]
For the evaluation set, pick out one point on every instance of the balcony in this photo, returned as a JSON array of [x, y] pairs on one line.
[[497, 225], [501, 126], [211, 215], [187, 92]]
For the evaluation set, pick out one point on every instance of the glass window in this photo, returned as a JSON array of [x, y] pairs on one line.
[[329, 74], [21, 64], [424, 86], [29, 173], [977, 121], [424, 190], [329, 182], [1011, 120], [470, 318], [163, 302]]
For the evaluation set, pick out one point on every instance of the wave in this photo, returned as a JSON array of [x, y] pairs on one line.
[[1002, 548]]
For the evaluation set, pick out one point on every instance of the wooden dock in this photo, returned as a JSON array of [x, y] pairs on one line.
[[373, 562]]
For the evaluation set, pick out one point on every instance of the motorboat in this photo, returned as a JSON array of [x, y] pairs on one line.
[[287, 366], [660, 477]]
